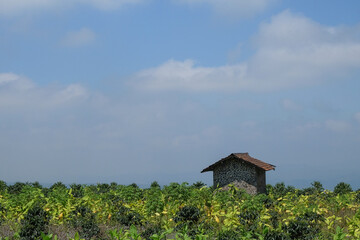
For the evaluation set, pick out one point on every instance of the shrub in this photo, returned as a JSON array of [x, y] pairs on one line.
[[188, 214], [276, 235], [127, 217], [187, 219], [266, 200], [77, 190], [299, 229], [177, 192], [342, 188], [16, 188], [305, 227], [154, 203], [85, 220], [151, 230], [103, 188], [115, 200], [46, 191], [89, 229], [229, 235], [2, 209], [274, 218], [249, 218], [357, 196], [34, 223]]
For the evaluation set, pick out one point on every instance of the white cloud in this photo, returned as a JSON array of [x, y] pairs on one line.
[[79, 38], [337, 126], [18, 7], [175, 75], [291, 51], [71, 92], [232, 8], [18, 92], [13, 81]]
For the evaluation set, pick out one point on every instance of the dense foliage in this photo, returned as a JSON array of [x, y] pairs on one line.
[[177, 211]]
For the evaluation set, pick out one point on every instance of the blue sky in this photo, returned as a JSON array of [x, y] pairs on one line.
[[143, 90]]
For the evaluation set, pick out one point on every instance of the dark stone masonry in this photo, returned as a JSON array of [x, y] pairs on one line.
[[242, 170]]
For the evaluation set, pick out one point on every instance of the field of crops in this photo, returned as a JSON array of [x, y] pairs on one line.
[[177, 211]]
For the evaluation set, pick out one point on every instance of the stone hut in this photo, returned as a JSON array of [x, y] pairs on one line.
[[242, 170]]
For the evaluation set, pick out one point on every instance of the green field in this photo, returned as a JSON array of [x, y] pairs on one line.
[[177, 211]]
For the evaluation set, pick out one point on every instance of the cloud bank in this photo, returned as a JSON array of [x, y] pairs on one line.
[[18, 7], [224, 8], [70, 133], [232, 8], [291, 51], [73, 134]]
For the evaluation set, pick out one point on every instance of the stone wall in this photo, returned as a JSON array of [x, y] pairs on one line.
[[250, 189], [234, 170]]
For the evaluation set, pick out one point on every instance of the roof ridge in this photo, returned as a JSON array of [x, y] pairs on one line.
[[245, 157], [241, 153]]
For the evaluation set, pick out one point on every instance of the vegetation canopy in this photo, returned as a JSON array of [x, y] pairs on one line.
[[177, 211]]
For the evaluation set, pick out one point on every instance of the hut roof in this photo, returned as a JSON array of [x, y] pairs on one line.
[[244, 157]]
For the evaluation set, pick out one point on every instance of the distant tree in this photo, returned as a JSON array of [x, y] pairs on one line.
[[198, 184], [280, 189], [134, 185], [342, 188], [317, 186], [58, 185], [16, 188], [113, 185], [36, 185], [103, 187], [154, 184], [3, 186]]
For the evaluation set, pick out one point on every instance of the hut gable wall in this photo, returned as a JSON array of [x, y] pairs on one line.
[[234, 170], [261, 180]]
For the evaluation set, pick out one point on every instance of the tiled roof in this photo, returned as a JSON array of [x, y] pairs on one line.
[[244, 157]]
